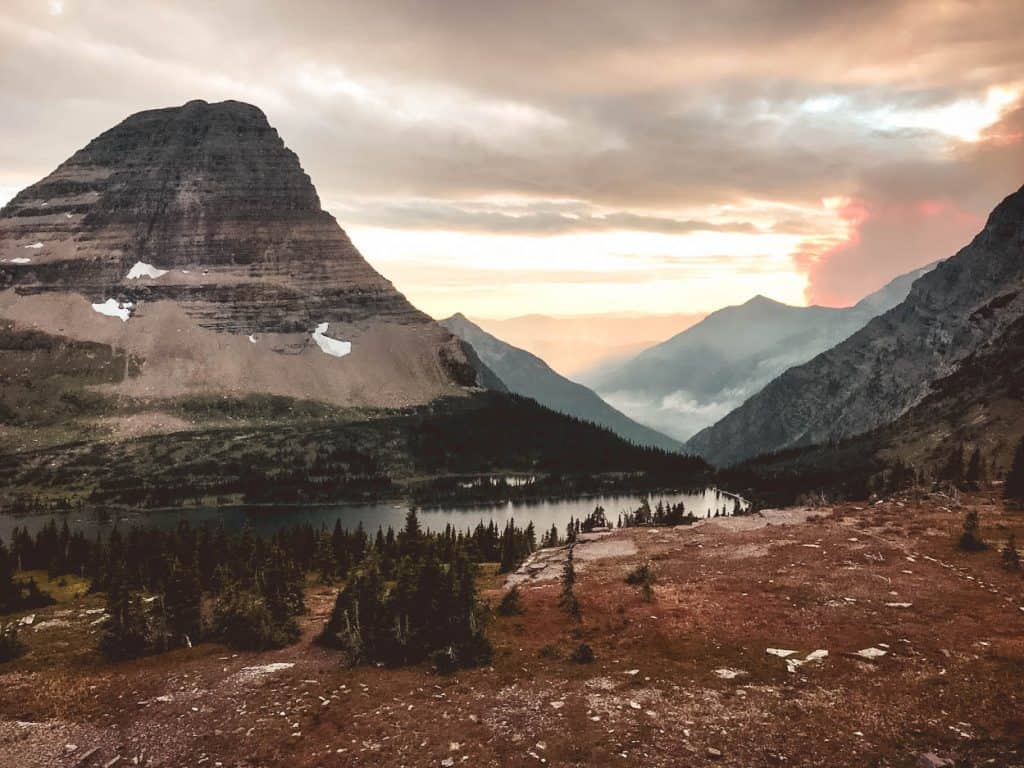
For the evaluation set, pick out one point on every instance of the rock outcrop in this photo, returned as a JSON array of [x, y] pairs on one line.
[[192, 239]]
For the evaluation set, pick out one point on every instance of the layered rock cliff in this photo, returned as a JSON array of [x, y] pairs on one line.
[[191, 239]]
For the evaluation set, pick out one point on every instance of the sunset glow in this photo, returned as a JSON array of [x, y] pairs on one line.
[[510, 163]]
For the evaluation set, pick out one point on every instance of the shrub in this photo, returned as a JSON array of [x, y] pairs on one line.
[[582, 654], [1014, 486], [10, 646], [242, 620], [549, 651], [1010, 555], [510, 604], [643, 577], [970, 539]]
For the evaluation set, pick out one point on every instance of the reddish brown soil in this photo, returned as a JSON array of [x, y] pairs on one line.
[[950, 682]]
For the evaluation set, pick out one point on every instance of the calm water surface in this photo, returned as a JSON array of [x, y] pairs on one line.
[[268, 520]]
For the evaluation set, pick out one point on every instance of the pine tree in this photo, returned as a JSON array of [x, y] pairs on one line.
[[568, 601], [1014, 487], [970, 539], [509, 558], [975, 473], [126, 633], [183, 603], [9, 590], [953, 472], [1010, 555], [511, 603]]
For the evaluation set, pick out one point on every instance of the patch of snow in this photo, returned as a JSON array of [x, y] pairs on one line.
[[114, 308], [334, 347], [252, 338], [816, 655], [67, 215], [898, 605], [782, 653], [142, 269], [20, 260], [34, 246]]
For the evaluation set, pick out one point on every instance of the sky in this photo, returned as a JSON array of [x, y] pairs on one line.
[[574, 158]]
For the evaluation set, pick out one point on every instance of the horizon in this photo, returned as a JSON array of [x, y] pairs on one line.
[[629, 166]]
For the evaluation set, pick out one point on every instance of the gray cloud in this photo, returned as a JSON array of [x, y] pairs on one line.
[[542, 219], [410, 110]]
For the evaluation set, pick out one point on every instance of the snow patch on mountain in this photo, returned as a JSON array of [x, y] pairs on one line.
[[114, 308], [142, 269], [335, 347]]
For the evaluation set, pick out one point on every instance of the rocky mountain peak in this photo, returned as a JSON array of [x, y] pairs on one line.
[[200, 213]]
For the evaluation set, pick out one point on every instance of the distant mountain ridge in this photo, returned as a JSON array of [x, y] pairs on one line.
[[883, 370], [577, 345], [979, 407], [699, 375], [526, 374]]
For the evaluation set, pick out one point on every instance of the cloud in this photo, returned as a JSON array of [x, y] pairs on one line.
[[542, 218], [910, 214], [551, 120]]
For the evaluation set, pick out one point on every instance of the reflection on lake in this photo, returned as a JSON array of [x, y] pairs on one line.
[[267, 520]]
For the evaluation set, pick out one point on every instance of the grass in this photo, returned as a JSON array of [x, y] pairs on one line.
[[63, 589]]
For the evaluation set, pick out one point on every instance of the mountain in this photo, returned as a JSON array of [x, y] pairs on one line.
[[528, 375], [879, 373], [979, 407], [191, 241], [578, 345], [699, 375], [181, 322]]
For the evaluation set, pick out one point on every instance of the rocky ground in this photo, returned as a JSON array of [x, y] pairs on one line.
[[841, 636]]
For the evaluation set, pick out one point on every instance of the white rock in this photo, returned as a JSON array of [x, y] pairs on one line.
[[871, 653], [34, 246], [729, 674], [256, 673], [782, 653]]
